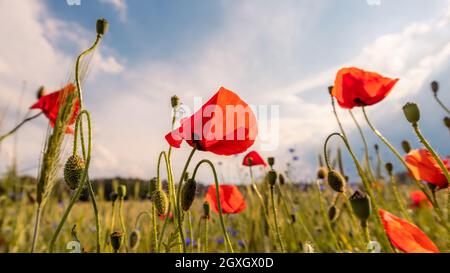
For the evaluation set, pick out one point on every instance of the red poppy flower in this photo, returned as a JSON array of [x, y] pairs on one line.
[[422, 166], [356, 87], [225, 125], [406, 236], [419, 200], [49, 105], [163, 216], [255, 158], [231, 199]]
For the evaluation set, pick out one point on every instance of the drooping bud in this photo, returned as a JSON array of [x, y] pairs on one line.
[[322, 173], [206, 210], [121, 191], [41, 92], [389, 168], [102, 26], [332, 213], [73, 170], [153, 186], [336, 181], [412, 112], [175, 101], [271, 161], [160, 201], [281, 179], [272, 177], [434, 87], [116, 240], [135, 238], [406, 147], [447, 122], [188, 194], [361, 206]]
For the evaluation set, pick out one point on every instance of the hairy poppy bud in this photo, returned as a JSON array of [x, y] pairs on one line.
[[361, 206], [272, 177], [412, 112], [406, 147], [206, 210], [160, 201], [41, 92], [434, 87], [447, 122], [113, 196], [271, 161], [174, 101], [153, 186], [322, 173], [73, 170], [389, 168], [135, 238], [102, 26], [332, 213], [281, 179], [336, 181], [188, 194], [116, 240], [122, 191]]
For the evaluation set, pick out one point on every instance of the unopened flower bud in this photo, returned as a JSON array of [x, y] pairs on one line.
[[406, 147], [336, 181], [447, 122], [188, 194], [175, 101], [389, 168], [153, 186], [160, 201], [332, 213], [41, 92], [116, 240], [361, 206], [272, 177], [206, 210], [122, 191], [322, 173], [281, 179], [271, 161], [135, 238], [102, 26], [73, 170], [412, 112], [434, 87]]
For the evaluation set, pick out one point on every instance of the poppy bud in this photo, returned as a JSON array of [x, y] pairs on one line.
[[122, 191], [206, 210], [73, 170], [174, 101], [406, 147], [336, 181], [332, 213], [322, 173], [281, 179], [271, 161], [412, 113], [116, 240], [447, 122], [272, 177], [113, 196], [434, 87], [160, 201], [188, 194], [361, 205], [135, 237], [389, 168], [102, 26], [41, 92], [153, 186]]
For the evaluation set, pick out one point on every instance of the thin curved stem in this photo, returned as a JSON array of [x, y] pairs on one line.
[[441, 104], [275, 217], [219, 206], [139, 217], [19, 125], [97, 218], [37, 223]]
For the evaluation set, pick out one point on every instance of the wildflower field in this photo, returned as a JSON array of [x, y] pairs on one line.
[[385, 209]]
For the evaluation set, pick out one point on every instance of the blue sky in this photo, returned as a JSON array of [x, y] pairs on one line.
[[270, 52]]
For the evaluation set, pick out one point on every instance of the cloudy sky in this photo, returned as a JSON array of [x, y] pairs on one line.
[[281, 53]]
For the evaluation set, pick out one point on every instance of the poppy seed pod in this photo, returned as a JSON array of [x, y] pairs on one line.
[[271, 161], [135, 238], [206, 210], [153, 186], [188, 194], [122, 191], [102, 26], [174, 101], [336, 181], [389, 168], [412, 112], [332, 213], [281, 179], [160, 201], [406, 147], [116, 240], [361, 205], [272, 177], [447, 122], [434, 87], [73, 170], [41, 92], [322, 173]]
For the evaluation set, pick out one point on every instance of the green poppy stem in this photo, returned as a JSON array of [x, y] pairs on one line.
[[399, 199], [275, 217], [441, 104]]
